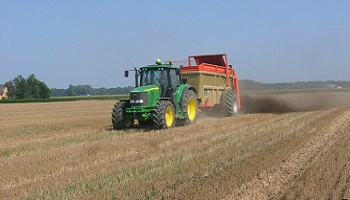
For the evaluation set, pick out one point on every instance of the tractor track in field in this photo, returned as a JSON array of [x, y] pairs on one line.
[[274, 184]]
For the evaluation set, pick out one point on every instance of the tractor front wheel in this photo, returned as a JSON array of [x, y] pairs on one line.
[[119, 120], [164, 115]]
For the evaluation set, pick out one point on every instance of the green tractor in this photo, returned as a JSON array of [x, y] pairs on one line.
[[161, 99]]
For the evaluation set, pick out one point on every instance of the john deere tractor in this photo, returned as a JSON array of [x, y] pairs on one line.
[[161, 99]]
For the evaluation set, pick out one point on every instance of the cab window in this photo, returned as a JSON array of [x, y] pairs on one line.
[[174, 79]]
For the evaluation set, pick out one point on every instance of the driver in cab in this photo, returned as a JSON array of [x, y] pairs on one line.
[[163, 82]]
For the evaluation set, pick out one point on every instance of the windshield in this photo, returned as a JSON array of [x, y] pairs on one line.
[[151, 76]]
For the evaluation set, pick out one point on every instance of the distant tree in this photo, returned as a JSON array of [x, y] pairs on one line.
[[89, 89], [247, 85], [32, 87], [71, 90], [102, 91], [21, 88], [11, 89], [58, 92], [84, 90], [44, 91]]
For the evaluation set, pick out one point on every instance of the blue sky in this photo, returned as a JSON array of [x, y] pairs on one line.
[[92, 42]]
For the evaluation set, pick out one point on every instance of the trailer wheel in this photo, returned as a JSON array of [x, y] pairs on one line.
[[229, 103], [164, 115], [119, 120], [189, 107]]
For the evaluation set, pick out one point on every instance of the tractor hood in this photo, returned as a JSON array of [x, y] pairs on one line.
[[145, 96], [145, 88]]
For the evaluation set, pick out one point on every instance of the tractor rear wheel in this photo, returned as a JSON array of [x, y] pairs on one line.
[[229, 103], [189, 107], [119, 120], [164, 115]]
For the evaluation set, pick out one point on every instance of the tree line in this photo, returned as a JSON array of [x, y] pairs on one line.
[[32, 88], [87, 90], [27, 88]]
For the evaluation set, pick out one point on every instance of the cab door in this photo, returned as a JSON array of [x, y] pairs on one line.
[[174, 82]]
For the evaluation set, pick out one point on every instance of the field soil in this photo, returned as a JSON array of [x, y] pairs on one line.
[[289, 146]]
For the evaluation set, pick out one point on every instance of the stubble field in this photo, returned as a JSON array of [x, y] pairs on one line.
[[289, 146]]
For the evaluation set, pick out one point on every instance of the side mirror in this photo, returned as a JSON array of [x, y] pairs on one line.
[[126, 73], [184, 80]]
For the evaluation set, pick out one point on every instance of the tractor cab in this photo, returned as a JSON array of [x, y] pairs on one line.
[[167, 78]]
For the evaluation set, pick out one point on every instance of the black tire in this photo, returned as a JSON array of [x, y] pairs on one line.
[[164, 115], [189, 106], [118, 116], [229, 103]]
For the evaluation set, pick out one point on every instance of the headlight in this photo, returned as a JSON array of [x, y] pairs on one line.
[[139, 98], [136, 101], [139, 101]]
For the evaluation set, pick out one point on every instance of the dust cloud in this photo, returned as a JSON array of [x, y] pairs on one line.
[[282, 103], [264, 104]]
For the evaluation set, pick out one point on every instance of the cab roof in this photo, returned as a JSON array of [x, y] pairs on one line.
[[161, 66]]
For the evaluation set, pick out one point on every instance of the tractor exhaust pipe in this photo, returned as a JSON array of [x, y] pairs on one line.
[[136, 77]]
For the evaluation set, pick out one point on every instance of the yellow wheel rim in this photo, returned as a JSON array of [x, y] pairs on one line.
[[127, 122], [191, 109], [169, 117]]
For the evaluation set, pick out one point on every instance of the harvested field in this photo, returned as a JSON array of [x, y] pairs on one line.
[[66, 150]]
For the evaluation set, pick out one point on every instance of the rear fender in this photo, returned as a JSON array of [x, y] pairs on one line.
[[182, 91]]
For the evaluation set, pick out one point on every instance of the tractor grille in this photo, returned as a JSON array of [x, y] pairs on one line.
[[136, 97]]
